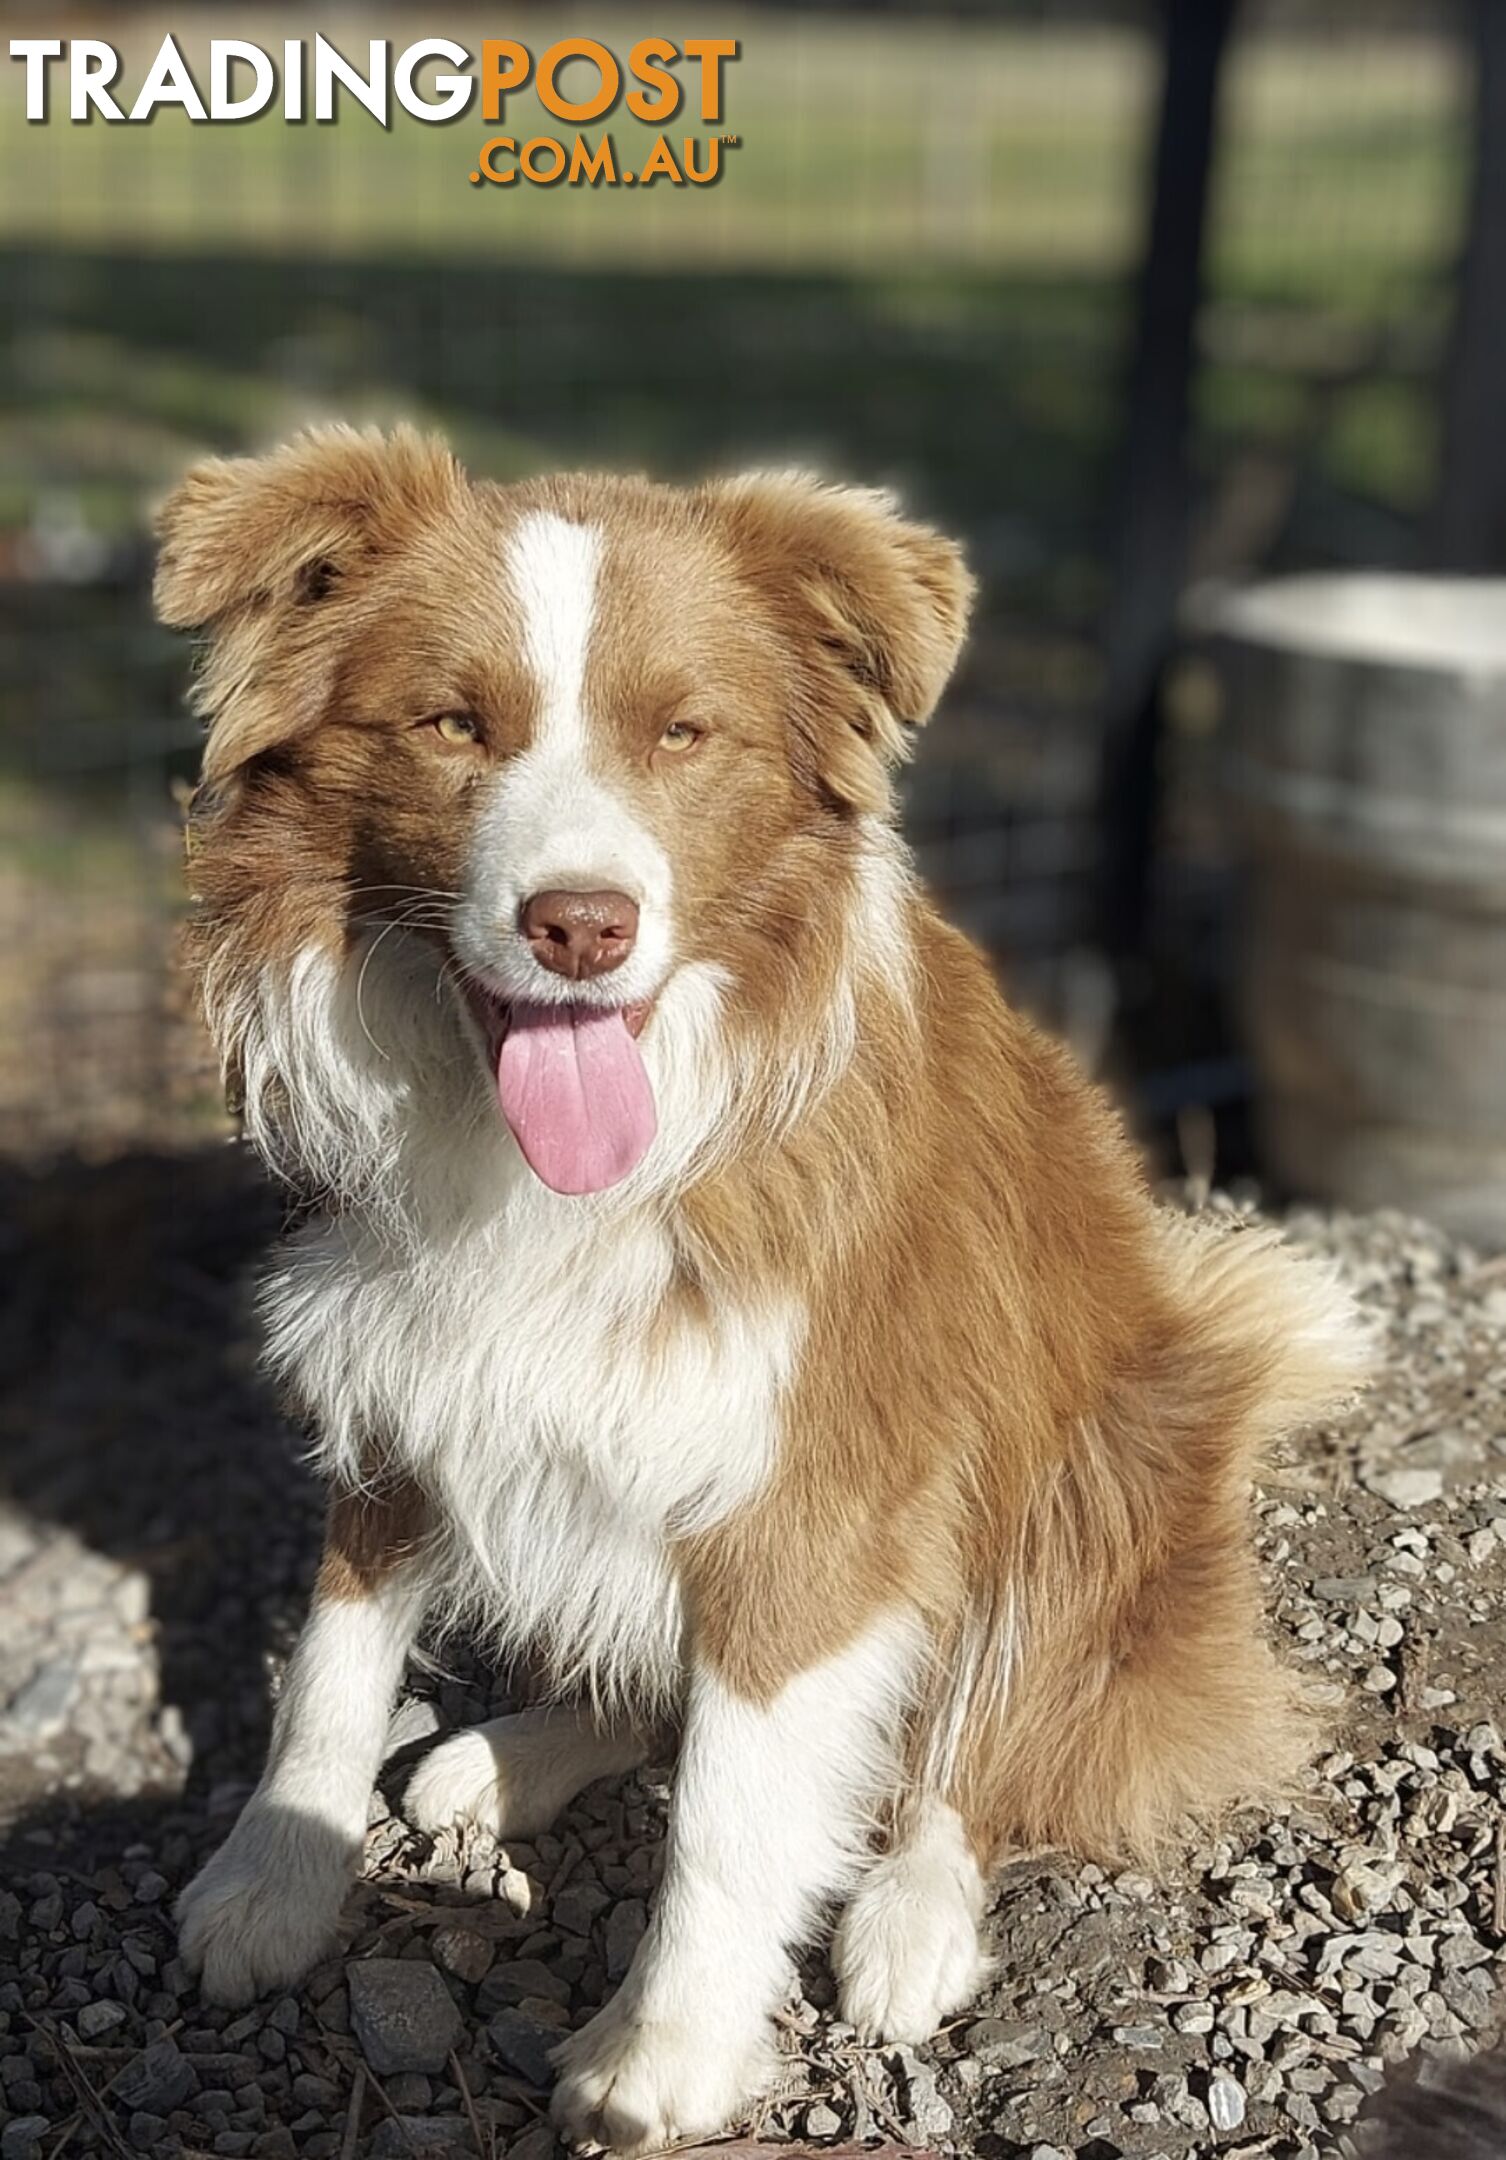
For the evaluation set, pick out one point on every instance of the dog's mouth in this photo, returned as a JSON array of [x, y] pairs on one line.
[[571, 1084]]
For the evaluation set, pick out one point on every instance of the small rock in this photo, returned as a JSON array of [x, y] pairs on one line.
[[401, 2136], [626, 1924], [47, 1911], [402, 2013], [1360, 1891], [21, 2139], [577, 1906], [461, 1951], [505, 1986], [98, 2018], [1404, 1488], [1139, 2036], [822, 2121], [1226, 2102], [40, 1710], [545, 2011], [410, 2092], [515, 1890], [414, 1720], [312, 2091], [1005, 2046], [525, 2044], [538, 2142], [1457, 1953], [160, 2079]]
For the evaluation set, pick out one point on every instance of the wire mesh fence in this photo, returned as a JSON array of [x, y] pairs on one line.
[[917, 269]]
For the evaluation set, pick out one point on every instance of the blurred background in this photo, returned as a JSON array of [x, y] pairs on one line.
[[1147, 301]]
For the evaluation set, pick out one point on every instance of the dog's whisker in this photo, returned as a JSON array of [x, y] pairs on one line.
[[366, 961], [429, 892]]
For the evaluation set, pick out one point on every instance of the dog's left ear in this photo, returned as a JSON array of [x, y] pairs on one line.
[[880, 604]]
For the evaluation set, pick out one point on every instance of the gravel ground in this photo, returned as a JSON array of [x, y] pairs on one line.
[[155, 1549]]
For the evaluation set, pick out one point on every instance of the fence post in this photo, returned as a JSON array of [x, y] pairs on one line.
[[1467, 530], [1149, 546]]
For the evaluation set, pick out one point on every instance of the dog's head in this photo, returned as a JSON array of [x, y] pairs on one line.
[[584, 735]]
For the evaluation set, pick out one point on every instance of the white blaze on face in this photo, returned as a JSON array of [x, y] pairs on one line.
[[571, 1084], [553, 821]]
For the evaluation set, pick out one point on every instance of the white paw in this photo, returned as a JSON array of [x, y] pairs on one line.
[[906, 1952], [267, 1906], [636, 2085], [458, 1782], [513, 1776]]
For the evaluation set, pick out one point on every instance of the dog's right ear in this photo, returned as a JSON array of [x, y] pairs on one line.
[[250, 548], [241, 531]]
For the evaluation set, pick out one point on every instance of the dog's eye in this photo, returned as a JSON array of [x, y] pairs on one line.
[[680, 735], [456, 727]]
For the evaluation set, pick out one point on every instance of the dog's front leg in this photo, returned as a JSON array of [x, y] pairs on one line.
[[267, 1906], [772, 1807]]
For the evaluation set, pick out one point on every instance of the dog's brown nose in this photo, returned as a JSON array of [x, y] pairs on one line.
[[580, 934]]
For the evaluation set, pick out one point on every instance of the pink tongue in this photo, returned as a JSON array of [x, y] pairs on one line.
[[574, 1091]]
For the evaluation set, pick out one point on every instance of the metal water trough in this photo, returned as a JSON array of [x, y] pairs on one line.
[[1366, 719]]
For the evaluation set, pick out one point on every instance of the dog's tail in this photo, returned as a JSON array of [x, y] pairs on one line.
[[1278, 1326]]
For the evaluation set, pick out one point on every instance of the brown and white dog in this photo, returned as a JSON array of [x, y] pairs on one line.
[[713, 1286]]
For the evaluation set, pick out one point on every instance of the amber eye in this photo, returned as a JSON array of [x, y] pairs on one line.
[[456, 727], [680, 736]]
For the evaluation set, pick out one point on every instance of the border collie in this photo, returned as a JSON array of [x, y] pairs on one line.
[[707, 1283]]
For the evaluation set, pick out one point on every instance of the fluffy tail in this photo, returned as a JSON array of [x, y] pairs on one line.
[[1279, 1321]]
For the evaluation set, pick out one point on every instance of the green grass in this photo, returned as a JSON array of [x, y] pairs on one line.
[[859, 142], [916, 266]]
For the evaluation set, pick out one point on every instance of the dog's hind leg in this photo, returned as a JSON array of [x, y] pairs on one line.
[[267, 1906], [514, 1775]]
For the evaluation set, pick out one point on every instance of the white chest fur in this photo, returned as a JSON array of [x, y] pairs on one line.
[[527, 1372]]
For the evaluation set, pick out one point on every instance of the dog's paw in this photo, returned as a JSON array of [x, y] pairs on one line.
[[513, 1776], [906, 1952], [266, 1908], [636, 2085], [459, 1782]]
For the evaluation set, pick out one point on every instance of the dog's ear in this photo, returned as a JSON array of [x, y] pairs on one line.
[[880, 604], [253, 548]]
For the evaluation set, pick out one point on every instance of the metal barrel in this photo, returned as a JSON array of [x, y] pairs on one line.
[[1366, 766]]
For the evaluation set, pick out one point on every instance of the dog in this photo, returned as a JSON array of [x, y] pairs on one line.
[[705, 1281]]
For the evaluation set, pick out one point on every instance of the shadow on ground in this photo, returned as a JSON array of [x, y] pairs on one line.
[[132, 1419]]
